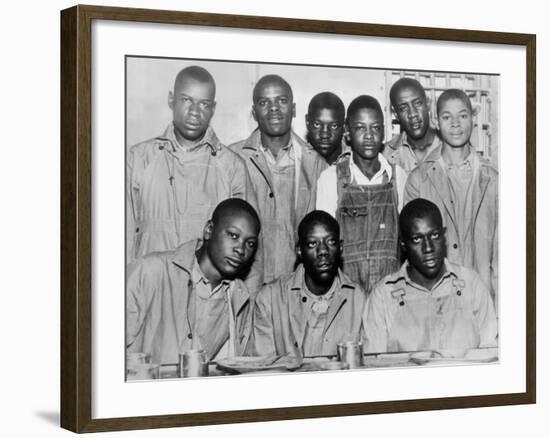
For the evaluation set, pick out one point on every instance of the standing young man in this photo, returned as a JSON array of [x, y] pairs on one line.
[[418, 138], [284, 172], [174, 181]]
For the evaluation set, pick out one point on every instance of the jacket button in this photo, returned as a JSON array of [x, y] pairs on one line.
[[458, 292], [271, 195], [295, 344], [304, 299], [137, 230], [190, 335], [455, 246]]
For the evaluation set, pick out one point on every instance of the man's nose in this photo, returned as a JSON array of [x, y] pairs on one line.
[[239, 248], [427, 245]]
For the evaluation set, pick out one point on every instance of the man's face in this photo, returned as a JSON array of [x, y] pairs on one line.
[[366, 133], [231, 243], [273, 109], [455, 122], [412, 111], [425, 245], [192, 104], [320, 252], [325, 130]]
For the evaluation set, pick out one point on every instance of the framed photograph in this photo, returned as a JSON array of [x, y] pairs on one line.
[[167, 117]]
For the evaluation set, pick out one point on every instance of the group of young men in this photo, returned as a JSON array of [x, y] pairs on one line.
[[275, 245]]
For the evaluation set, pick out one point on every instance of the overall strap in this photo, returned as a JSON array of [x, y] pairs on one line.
[[343, 176]]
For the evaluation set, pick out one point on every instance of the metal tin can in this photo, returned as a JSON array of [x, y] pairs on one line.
[[193, 363], [351, 353]]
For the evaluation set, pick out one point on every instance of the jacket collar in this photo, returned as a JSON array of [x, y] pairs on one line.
[[402, 275], [344, 289], [209, 139], [254, 142]]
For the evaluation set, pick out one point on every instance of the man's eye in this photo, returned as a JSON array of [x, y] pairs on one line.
[[311, 244], [334, 126], [205, 105], [251, 244], [331, 242], [418, 103], [464, 116], [435, 236], [403, 109], [445, 118], [415, 239], [376, 128], [232, 235], [316, 125], [283, 100]]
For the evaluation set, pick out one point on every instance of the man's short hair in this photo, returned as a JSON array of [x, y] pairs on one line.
[[317, 217], [327, 100], [268, 79], [418, 208], [453, 93], [197, 73], [405, 83], [234, 205], [364, 102]]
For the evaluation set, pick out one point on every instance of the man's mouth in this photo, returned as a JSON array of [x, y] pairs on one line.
[[430, 263], [324, 266], [235, 263]]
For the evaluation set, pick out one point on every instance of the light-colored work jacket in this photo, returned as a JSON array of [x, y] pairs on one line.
[[171, 193], [160, 307], [279, 238], [281, 309], [478, 247], [457, 313]]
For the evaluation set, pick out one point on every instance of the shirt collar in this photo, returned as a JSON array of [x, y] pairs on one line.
[[403, 275], [197, 276], [340, 279], [385, 166]]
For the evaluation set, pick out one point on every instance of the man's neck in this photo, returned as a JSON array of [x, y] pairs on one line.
[[275, 144], [368, 167], [184, 142], [454, 155], [335, 154], [426, 282], [421, 144], [317, 289]]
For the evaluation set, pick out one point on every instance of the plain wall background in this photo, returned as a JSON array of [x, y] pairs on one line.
[[29, 176]]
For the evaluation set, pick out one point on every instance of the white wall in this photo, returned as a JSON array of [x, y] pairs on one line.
[[29, 175]]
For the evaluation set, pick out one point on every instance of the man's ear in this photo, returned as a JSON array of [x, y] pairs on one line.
[[307, 120], [171, 100], [403, 246], [207, 232], [346, 132], [476, 109], [298, 251], [293, 109], [253, 112], [341, 246]]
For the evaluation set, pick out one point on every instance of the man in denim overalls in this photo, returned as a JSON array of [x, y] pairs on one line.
[[363, 192]]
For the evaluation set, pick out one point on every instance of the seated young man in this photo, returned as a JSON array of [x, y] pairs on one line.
[[191, 297], [307, 312], [430, 303], [325, 125]]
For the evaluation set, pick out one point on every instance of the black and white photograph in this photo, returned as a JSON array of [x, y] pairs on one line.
[[293, 218]]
